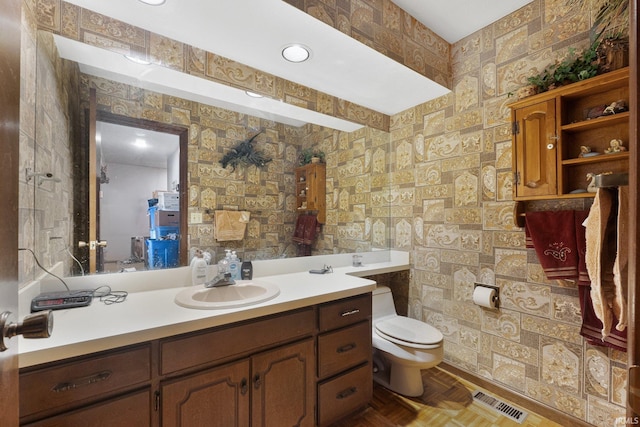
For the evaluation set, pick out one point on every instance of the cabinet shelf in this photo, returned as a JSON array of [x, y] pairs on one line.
[[602, 158], [596, 123]]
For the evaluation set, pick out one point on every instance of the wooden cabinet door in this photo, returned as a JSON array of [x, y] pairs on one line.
[[535, 154], [215, 398], [283, 386]]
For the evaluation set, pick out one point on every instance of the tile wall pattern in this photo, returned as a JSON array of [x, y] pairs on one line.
[[47, 118], [452, 162], [102, 31]]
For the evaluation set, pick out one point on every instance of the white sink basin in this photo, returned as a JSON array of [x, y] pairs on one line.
[[243, 293]]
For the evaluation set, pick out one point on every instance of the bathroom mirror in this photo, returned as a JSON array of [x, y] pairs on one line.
[[358, 176]]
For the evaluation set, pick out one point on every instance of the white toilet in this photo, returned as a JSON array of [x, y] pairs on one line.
[[401, 347]]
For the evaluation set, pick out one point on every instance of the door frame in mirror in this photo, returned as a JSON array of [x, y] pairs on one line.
[[81, 160]]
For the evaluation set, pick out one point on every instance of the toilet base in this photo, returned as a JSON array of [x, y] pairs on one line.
[[404, 380]]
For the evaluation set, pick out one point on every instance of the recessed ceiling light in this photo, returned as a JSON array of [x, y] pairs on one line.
[[296, 53], [253, 94], [140, 143], [153, 2]]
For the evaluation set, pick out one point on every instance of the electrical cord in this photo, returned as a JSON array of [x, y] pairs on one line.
[[103, 293], [108, 296], [35, 258]]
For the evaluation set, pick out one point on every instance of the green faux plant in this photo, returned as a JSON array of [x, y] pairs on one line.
[[309, 153], [570, 70]]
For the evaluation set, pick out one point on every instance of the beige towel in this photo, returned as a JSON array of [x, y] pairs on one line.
[[620, 267], [230, 225], [599, 259]]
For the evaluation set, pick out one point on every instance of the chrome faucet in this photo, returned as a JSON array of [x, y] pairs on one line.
[[222, 279]]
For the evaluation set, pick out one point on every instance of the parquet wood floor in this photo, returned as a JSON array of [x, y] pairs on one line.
[[446, 402]]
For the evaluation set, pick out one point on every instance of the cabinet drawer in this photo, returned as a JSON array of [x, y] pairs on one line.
[[344, 312], [80, 381], [133, 410], [342, 395], [229, 342], [342, 349]]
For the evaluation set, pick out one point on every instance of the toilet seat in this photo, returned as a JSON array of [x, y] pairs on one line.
[[409, 332]]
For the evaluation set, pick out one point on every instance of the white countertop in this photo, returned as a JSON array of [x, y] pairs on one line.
[[152, 314]]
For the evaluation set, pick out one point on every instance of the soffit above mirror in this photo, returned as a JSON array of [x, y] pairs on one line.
[[255, 32]]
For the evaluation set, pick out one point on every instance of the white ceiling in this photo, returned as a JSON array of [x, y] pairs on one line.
[[253, 32], [117, 144]]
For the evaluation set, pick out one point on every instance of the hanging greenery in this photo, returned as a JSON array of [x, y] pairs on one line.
[[245, 154], [611, 18]]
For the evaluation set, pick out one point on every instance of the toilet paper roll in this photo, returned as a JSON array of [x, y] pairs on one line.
[[485, 297]]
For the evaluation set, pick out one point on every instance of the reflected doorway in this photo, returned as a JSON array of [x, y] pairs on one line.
[[133, 165], [119, 180]]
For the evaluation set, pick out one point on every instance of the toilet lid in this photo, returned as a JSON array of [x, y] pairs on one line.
[[410, 332]]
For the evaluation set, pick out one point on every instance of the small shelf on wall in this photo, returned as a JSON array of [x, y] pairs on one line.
[[311, 190], [551, 130]]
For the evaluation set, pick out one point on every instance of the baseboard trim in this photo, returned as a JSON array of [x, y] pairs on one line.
[[523, 401]]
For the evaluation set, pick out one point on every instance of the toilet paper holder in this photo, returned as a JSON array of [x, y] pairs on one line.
[[496, 298]]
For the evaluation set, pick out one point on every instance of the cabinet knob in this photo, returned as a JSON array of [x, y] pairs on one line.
[[550, 146]]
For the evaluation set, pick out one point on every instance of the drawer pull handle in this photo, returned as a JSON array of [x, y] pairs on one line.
[[346, 348], [243, 386], [80, 382], [350, 312], [256, 381], [346, 393]]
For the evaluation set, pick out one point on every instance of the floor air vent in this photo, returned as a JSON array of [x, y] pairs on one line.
[[504, 408]]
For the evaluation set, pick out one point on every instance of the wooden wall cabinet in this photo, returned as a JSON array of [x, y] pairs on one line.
[[550, 128], [311, 189]]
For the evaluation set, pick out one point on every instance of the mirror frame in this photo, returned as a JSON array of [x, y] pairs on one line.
[[81, 186]]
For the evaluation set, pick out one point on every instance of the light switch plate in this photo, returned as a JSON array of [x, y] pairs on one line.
[[196, 218]]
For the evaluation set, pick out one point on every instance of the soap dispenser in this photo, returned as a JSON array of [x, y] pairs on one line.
[[198, 269], [234, 266]]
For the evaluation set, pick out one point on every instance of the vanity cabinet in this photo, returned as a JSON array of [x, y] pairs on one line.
[[301, 367], [269, 389], [83, 382], [345, 377], [311, 189], [272, 387], [550, 130]]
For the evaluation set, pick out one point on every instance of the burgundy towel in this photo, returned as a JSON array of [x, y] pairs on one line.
[[592, 326], [305, 231], [553, 235]]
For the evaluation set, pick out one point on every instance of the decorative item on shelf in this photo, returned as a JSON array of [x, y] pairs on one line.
[[303, 193], [311, 155], [585, 151], [591, 188], [619, 106], [615, 146], [245, 154], [613, 54]]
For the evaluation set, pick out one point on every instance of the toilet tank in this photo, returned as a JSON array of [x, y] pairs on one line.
[[382, 303]]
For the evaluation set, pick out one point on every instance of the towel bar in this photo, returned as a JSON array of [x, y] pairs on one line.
[[606, 180]]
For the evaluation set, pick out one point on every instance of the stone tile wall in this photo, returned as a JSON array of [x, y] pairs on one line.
[[48, 115], [452, 165]]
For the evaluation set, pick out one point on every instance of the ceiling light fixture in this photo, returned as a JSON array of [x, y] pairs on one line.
[[296, 53], [153, 2], [253, 94], [140, 143]]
